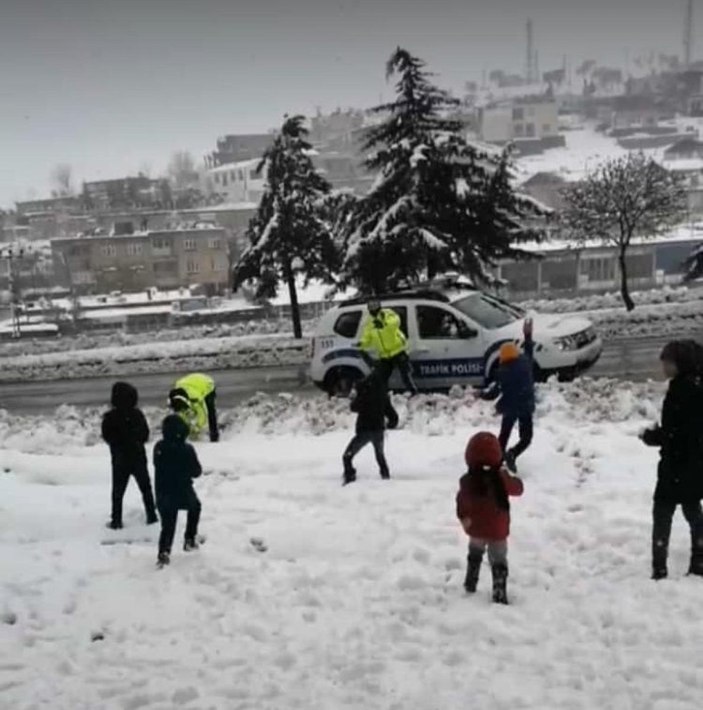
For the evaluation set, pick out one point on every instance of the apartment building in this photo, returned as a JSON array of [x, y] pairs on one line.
[[134, 262]]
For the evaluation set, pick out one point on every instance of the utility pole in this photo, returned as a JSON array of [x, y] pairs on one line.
[[529, 63], [688, 34]]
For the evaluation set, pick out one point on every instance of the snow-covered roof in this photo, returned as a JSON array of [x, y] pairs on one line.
[[240, 165]]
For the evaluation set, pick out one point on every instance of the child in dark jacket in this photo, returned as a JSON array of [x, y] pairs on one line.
[[483, 508], [176, 465], [515, 386], [373, 407], [680, 440], [125, 430]]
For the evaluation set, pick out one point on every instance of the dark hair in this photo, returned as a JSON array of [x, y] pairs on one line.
[[687, 355], [486, 481]]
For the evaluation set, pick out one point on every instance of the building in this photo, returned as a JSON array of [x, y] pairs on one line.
[[239, 148], [52, 205], [127, 192], [532, 124], [547, 188], [563, 270], [239, 182], [134, 262], [688, 148]]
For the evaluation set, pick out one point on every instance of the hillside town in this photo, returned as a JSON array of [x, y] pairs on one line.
[[184, 232]]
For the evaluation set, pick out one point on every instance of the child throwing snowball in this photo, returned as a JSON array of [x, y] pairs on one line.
[[483, 507], [680, 441], [176, 465]]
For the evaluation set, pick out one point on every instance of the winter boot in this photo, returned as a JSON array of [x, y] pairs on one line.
[[114, 525], [696, 566], [190, 544], [385, 474], [660, 553], [151, 518], [500, 579], [163, 559], [510, 461], [349, 476], [472, 571]]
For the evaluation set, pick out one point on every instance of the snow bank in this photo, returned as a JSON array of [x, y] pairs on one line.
[[311, 595]]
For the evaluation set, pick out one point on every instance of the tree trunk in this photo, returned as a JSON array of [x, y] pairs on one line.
[[624, 288], [294, 306]]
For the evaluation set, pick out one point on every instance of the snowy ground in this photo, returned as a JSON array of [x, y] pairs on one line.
[[357, 602]]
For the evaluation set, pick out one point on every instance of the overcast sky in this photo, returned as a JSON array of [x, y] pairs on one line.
[[112, 86]]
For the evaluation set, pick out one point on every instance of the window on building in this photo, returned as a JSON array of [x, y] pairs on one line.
[[134, 249], [165, 268], [518, 114], [193, 266], [190, 245], [216, 178], [232, 176], [530, 130], [519, 129], [83, 277], [599, 269], [219, 263], [254, 175], [241, 175], [214, 243], [224, 179], [109, 250]]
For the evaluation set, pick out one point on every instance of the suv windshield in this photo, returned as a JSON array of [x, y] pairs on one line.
[[488, 311]]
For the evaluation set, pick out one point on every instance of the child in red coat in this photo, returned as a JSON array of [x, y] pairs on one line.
[[483, 508]]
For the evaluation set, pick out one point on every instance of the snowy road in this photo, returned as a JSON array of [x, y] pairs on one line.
[[631, 359]]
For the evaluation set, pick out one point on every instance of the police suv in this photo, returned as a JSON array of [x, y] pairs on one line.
[[454, 335]]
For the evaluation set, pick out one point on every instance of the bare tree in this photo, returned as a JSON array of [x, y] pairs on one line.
[[182, 171], [62, 180], [627, 197]]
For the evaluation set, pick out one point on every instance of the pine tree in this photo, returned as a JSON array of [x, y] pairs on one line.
[[287, 235], [694, 265], [627, 197], [438, 203]]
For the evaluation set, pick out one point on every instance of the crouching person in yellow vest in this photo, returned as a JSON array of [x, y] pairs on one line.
[[193, 399], [382, 334]]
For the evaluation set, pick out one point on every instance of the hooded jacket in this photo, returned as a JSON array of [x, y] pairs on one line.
[[124, 427], [482, 503], [372, 405], [175, 465], [680, 438]]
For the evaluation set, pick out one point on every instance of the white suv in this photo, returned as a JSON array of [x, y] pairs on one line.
[[453, 337]]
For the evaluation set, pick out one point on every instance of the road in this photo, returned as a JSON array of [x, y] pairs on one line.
[[632, 359]]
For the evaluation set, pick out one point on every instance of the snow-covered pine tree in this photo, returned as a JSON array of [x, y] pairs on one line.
[[288, 236], [626, 197], [438, 203]]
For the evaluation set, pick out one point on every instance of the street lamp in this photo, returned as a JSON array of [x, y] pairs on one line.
[[11, 254]]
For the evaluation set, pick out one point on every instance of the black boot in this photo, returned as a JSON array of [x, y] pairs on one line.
[[151, 518], [190, 544], [349, 475], [696, 566], [660, 553], [500, 580], [114, 525], [163, 559], [472, 571]]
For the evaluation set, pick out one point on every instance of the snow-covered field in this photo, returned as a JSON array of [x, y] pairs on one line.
[[357, 601]]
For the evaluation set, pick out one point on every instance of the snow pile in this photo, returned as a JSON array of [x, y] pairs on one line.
[[307, 594]]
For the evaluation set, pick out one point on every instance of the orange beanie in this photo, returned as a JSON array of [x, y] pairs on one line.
[[509, 352]]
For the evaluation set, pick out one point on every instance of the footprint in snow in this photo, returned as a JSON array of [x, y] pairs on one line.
[[258, 544]]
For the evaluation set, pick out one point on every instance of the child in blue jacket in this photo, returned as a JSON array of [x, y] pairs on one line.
[[515, 385]]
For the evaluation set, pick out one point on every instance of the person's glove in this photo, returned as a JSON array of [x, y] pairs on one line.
[[651, 437]]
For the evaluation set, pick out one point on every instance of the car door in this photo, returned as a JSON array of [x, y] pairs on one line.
[[448, 349]]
